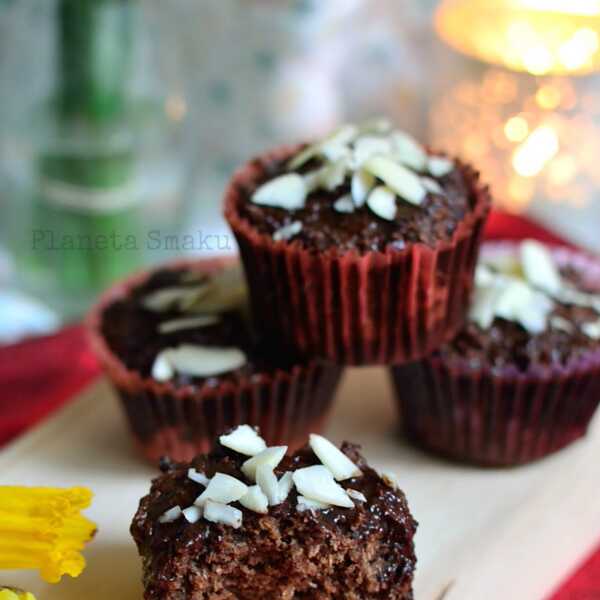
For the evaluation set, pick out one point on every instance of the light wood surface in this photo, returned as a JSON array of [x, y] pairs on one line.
[[489, 535]]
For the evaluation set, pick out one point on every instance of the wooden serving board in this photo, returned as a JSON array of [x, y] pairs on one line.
[[483, 534]]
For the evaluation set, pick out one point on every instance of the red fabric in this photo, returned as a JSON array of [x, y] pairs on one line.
[[38, 376], [511, 227], [584, 584]]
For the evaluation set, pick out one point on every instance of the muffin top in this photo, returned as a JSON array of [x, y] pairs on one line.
[[190, 326], [279, 516], [364, 187], [528, 309]]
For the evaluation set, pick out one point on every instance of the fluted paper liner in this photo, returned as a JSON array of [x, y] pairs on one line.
[[499, 417], [385, 307], [182, 421]]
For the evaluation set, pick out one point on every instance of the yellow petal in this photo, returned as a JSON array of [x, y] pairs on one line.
[[41, 528], [14, 594]]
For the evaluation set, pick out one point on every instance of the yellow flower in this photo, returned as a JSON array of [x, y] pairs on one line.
[[41, 528], [14, 594]]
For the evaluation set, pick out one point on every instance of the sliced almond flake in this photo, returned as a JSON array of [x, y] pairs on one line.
[[226, 291], [408, 151], [484, 276], [505, 263], [312, 180], [275, 490], [439, 166], [397, 177], [518, 302], [317, 483], [287, 232], [343, 136], [267, 481], [376, 125], [382, 202], [198, 477], [172, 298], [431, 185], [368, 146], [217, 512], [595, 303], [344, 205], [561, 324], [356, 495], [184, 323], [198, 361], [534, 317], [162, 369], [245, 440], [482, 309], [362, 184], [592, 330], [305, 504], [285, 485], [331, 145], [570, 295], [329, 177], [170, 515], [333, 175], [255, 500], [272, 456], [333, 458], [336, 153], [390, 479], [304, 156], [222, 488], [539, 267], [512, 296], [192, 514], [286, 191]]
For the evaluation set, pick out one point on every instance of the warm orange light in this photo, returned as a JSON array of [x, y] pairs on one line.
[[519, 194], [540, 37], [536, 152], [563, 170], [516, 129], [588, 8], [548, 97]]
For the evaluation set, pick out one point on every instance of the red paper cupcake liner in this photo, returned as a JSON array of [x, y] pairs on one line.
[[182, 421], [376, 308], [499, 417]]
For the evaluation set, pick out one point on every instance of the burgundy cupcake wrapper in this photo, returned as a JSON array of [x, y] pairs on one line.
[[378, 308], [180, 422], [499, 417]]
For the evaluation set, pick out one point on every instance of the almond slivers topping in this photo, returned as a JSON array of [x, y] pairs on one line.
[[365, 156], [287, 232], [382, 202], [196, 361], [524, 287], [184, 323], [286, 191], [315, 485]]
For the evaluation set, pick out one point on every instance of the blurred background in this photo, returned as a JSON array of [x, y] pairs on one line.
[[122, 120]]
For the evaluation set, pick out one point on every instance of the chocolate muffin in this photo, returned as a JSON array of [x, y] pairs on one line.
[[522, 378], [246, 522], [180, 349], [361, 247]]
